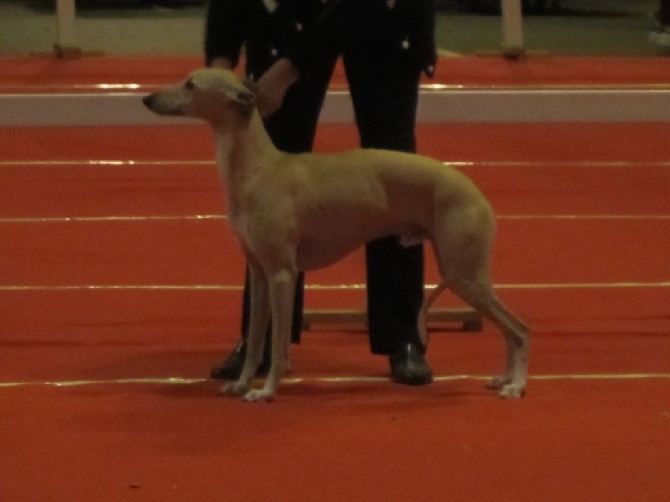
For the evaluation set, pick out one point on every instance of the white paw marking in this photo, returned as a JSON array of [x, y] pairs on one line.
[[512, 391], [498, 382], [234, 389], [259, 395]]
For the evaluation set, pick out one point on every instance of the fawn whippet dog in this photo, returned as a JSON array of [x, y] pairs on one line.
[[297, 212]]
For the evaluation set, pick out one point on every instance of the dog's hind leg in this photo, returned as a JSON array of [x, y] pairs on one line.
[[282, 292], [480, 295], [512, 383], [258, 326], [423, 313], [462, 247]]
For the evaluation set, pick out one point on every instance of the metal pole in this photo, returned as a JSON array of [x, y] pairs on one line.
[[512, 44], [65, 11]]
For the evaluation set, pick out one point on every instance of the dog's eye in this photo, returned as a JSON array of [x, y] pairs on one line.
[[189, 85]]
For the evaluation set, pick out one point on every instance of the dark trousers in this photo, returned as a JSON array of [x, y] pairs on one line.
[[384, 85], [383, 80], [664, 12]]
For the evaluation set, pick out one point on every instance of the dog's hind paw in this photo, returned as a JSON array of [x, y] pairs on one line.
[[259, 395], [498, 382]]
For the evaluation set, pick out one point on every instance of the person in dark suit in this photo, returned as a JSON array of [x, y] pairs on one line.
[[661, 34], [291, 49]]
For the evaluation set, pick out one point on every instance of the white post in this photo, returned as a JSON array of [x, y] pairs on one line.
[[512, 44], [65, 11]]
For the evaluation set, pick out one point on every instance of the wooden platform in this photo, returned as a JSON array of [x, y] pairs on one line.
[[467, 318]]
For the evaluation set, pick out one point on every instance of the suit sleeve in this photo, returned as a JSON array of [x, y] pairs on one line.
[[226, 29]]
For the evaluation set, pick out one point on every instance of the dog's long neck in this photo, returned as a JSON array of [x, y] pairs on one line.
[[243, 150]]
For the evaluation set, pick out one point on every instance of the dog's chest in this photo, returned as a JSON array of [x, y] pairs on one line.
[[239, 222]]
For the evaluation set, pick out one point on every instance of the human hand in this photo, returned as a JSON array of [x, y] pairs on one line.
[[221, 63], [273, 84]]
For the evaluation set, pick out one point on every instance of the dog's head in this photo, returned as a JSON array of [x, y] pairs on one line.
[[209, 94]]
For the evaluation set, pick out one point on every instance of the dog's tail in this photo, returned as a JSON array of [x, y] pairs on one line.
[[423, 313]]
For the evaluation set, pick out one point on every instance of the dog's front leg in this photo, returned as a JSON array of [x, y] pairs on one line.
[[258, 326], [282, 292]]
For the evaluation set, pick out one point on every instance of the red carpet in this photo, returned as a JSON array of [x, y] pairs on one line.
[[581, 255], [465, 71]]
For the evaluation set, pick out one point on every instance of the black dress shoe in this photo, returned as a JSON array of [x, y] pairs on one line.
[[409, 367], [231, 367]]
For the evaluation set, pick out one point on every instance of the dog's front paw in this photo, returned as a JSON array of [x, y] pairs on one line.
[[507, 387], [259, 395], [234, 389], [512, 391]]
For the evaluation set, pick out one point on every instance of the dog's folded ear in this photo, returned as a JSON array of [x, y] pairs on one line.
[[251, 86], [244, 96]]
